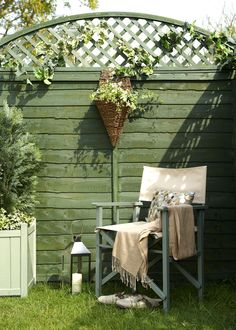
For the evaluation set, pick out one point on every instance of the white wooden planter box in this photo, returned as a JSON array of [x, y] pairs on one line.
[[17, 260]]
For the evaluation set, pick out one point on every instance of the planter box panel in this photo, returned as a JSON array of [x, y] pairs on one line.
[[31, 269], [17, 260]]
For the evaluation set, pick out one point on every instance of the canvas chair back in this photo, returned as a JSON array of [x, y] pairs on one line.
[[191, 179]]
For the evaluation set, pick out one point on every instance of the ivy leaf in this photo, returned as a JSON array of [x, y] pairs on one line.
[[47, 82]]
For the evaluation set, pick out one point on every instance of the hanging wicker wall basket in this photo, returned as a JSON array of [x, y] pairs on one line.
[[113, 120]]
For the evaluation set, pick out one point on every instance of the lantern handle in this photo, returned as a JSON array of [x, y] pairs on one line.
[[72, 231]]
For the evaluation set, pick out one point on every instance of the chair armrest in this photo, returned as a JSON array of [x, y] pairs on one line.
[[115, 205], [118, 204], [195, 207]]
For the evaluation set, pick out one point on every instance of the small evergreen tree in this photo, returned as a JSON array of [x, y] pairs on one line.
[[19, 162]]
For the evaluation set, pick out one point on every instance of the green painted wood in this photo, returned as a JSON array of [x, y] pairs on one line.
[[67, 214], [92, 74], [59, 242], [134, 140], [71, 200], [213, 169], [179, 125], [223, 184], [221, 85], [68, 126], [73, 142], [60, 227], [59, 112], [74, 185], [174, 140], [75, 171], [81, 97], [192, 126], [158, 112], [95, 157], [176, 156], [115, 167]]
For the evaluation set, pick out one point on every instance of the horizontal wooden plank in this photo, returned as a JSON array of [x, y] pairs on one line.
[[86, 126], [92, 74], [220, 85], [179, 125], [176, 155], [75, 171], [189, 111], [220, 255], [213, 169], [220, 227], [73, 142], [68, 227], [81, 97], [60, 242], [74, 185], [68, 214], [221, 214], [53, 273], [71, 200], [214, 241], [135, 140], [217, 199], [175, 140], [66, 126], [221, 184], [84, 158]]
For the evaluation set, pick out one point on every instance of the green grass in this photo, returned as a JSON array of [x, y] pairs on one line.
[[53, 307]]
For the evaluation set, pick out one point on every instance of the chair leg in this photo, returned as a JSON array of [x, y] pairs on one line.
[[200, 261], [165, 261], [98, 276]]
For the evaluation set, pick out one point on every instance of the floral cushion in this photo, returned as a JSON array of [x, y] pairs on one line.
[[167, 198]]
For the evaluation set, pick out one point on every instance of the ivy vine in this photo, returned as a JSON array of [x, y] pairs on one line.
[[138, 61]]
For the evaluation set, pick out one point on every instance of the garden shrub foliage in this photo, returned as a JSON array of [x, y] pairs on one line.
[[19, 162]]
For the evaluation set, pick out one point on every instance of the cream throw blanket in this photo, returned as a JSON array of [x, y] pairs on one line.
[[130, 250], [181, 231], [129, 254]]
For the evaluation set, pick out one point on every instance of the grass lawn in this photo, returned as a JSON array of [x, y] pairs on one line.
[[53, 307]]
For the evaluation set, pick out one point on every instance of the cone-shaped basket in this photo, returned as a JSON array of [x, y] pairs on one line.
[[113, 120]]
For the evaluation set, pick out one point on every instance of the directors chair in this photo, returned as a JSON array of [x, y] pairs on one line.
[[176, 184]]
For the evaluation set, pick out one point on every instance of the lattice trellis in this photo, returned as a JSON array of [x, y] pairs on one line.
[[136, 31]]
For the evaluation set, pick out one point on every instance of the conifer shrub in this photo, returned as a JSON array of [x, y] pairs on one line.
[[19, 163]]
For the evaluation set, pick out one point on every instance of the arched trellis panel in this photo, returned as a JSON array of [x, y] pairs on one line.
[[193, 125], [136, 30]]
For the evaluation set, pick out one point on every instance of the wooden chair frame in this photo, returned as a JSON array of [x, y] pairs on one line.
[[105, 241]]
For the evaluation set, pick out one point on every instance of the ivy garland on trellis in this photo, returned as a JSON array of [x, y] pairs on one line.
[[138, 61]]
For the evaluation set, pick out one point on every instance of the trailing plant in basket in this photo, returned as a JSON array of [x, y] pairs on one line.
[[116, 100], [113, 91], [19, 165]]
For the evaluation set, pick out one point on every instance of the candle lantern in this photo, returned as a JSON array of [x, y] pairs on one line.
[[78, 251]]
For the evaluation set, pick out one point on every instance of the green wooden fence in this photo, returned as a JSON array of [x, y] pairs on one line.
[[193, 125]]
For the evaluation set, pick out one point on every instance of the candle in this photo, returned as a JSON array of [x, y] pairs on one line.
[[76, 283]]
